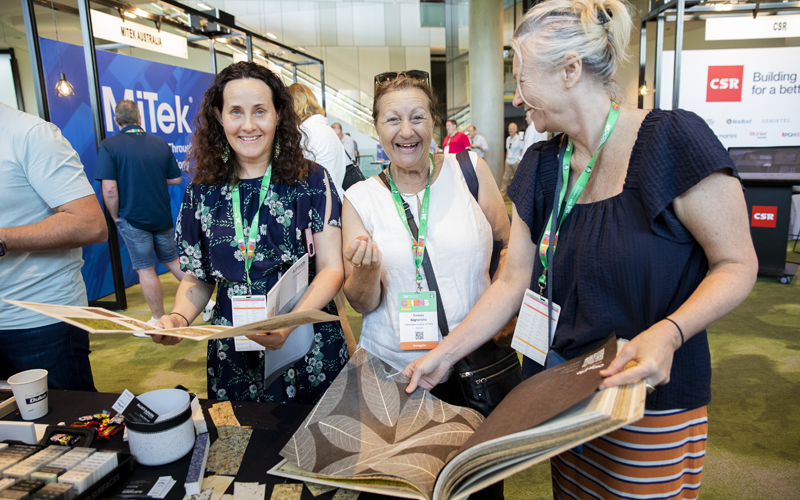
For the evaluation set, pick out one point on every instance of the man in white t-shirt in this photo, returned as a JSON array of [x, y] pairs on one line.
[[347, 142], [531, 135], [477, 142], [48, 211], [513, 150]]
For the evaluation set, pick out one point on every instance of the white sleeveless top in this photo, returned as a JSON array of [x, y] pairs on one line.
[[459, 243]]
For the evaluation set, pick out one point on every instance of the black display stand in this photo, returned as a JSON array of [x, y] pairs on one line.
[[770, 242]]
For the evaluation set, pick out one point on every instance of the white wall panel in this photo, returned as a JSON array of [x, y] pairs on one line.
[[368, 24], [299, 23], [371, 61], [344, 22], [412, 34], [418, 58]]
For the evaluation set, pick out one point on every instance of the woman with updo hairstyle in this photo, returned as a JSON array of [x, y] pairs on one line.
[[248, 159], [655, 248], [458, 229]]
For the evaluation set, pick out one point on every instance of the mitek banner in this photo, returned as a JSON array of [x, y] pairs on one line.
[[169, 97], [749, 97]]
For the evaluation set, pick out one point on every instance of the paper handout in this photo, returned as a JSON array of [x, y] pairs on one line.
[[98, 320]]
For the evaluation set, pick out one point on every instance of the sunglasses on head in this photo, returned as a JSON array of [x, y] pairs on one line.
[[416, 74]]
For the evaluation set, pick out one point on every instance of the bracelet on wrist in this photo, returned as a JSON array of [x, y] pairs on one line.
[[182, 316], [679, 330]]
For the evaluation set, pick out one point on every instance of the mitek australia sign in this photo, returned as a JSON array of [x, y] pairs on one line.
[[749, 97], [116, 29]]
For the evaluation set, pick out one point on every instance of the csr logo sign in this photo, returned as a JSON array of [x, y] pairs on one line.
[[764, 216], [724, 84]]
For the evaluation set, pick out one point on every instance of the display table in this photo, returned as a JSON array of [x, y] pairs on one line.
[[273, 425]]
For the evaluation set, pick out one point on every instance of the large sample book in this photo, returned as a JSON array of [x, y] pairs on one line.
[[368, 434]]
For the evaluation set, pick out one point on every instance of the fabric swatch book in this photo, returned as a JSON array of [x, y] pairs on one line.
[[368, 434]]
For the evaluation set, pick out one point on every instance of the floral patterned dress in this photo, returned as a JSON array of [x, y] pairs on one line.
[[206, 242]]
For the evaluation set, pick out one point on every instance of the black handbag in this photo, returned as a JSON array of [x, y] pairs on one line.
[[352, 174], [489, 373]]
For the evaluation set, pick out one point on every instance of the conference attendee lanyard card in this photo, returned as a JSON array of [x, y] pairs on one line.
[[418, 319], [531, 335], [248, 308]]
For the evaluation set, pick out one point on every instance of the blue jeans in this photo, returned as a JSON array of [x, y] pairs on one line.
[[60, 348]]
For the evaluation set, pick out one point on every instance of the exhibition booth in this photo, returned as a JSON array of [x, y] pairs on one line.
[[173, 445]]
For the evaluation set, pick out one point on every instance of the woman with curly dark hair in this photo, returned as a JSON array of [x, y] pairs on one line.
[[250, 173]]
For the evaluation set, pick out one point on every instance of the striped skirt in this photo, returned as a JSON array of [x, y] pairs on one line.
[[659, 457]]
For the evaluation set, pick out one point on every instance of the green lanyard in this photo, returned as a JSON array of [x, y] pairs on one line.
[[580, 185], [249, 250], [134, 130], [418, 245]]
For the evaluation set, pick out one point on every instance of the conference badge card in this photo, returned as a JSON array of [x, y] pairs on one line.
[[419, 328]]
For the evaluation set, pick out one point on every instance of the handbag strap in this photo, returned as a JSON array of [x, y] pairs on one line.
[[468, 171], [433, 286]]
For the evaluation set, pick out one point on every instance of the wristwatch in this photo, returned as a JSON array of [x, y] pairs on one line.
[[2, 248]]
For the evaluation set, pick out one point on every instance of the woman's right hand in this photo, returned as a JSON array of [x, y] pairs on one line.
[[363, 254], [167, 321], [428, 370]]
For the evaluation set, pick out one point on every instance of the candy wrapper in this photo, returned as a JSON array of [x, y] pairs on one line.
[[105, 424], [64, 439]]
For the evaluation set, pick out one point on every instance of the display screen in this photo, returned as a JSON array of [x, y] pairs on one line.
[[776, 163]]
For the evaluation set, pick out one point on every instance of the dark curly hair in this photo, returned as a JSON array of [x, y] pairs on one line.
[[208, 139]]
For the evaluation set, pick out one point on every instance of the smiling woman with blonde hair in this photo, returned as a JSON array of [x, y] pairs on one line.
[[653, 244]]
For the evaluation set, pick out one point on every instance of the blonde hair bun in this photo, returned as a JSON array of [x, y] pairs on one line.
[[555, 33]]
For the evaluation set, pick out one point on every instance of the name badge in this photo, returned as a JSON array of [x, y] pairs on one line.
[[248, 310], [531, 334], [419, 327]]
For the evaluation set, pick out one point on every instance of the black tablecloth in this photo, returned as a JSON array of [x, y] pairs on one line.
[[273, 425]]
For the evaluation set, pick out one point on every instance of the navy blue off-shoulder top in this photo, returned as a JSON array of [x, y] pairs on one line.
[[626, 262]]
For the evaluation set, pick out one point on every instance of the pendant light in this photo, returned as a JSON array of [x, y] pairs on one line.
[[63, 87]]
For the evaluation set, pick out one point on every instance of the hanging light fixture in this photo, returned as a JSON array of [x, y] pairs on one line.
[[63, 87], [643, 90]]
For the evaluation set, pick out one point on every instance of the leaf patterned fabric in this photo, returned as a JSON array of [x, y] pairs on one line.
[[207, 250], [366, 424]]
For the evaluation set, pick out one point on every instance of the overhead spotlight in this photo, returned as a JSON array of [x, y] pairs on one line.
[[644, 90], [130, 15], [201, 5], [140, 12], [272, 36]]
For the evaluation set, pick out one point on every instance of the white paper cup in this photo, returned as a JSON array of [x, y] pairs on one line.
[[30, 392]]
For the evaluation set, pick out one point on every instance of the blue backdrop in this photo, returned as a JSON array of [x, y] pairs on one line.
[[169, 98]]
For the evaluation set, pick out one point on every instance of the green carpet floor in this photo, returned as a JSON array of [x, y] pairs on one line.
[[754, 416]]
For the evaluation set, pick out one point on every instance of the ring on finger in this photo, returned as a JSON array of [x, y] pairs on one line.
[[355, 265], [650, 389]]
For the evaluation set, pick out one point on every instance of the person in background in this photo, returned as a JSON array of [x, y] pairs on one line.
[[434, 146], [347, 142], [355, 148], [531, 136], [455, 141], [513, 149], [477, 142], [656, 248], [321, 143], [48, 211], [248, 153], [322, 146], [134, 169]]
